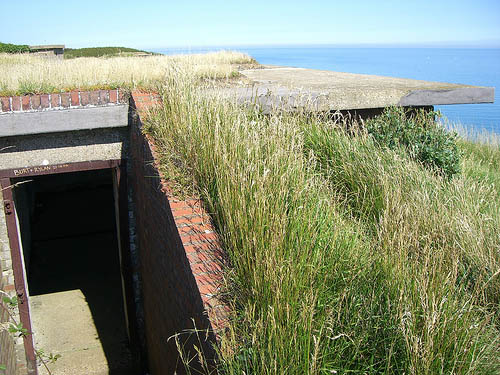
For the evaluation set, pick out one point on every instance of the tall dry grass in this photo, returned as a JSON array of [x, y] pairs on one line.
[[25, 73], [343, 257]]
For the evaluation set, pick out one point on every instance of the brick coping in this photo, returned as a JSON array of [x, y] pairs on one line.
[[64, 100]]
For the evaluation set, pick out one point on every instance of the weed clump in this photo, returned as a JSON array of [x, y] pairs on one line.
[[420, 136]]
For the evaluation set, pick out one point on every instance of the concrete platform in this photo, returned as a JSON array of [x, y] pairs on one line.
[[329, 91]]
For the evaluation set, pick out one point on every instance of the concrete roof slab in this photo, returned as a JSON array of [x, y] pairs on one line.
[[326, 90]]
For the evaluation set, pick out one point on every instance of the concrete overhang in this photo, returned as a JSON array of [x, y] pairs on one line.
[[329, 91], [47, 47], [24, 123]]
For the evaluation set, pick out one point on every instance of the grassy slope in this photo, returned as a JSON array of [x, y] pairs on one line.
[[344, 258], [70, 53]]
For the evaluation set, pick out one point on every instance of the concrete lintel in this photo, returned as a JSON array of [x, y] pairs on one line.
[[24, 123], [463, 95]]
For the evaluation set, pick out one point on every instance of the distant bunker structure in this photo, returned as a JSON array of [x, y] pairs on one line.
[[54, 51], [108, 265]]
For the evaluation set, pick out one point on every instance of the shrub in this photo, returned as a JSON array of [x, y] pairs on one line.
[[420, 136], [13, 48]]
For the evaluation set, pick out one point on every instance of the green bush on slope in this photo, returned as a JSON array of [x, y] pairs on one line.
[[419, 135]]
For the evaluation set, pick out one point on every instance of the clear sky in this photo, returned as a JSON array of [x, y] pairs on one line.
[[190, 23]]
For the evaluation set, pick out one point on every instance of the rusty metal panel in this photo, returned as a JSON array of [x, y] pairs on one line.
[[19, 274], [59, 168]]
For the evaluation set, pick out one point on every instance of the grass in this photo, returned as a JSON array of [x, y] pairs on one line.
[[344, 257], [71, 53], [28, 74]]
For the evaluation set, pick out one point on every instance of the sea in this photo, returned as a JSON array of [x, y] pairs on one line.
[[472, 66]]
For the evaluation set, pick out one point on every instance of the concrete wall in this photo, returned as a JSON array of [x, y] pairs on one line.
[[180, 261]]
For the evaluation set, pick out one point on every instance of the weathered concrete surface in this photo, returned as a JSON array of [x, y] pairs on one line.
[[23, 123], [67, 147], [76, 305], [326, 91], [64, 325]]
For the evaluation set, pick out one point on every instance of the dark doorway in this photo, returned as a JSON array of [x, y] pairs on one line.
[[71, 255]]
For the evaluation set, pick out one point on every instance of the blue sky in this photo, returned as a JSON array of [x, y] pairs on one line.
[[190, 23]]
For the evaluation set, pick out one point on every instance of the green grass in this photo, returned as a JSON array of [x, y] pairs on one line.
[[70, 53], [344, 257]]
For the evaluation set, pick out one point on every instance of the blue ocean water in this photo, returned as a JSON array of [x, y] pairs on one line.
[[467, 66]]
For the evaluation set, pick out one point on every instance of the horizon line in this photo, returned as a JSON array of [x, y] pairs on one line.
[[465, 45]]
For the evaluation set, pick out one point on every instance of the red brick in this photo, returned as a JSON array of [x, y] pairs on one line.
[[113, 96], [210, 279], [65, 99], [205, 268], [35, 101], [193, 258], [207, 289], [44, 101], [196, 229], [122, 97], [143, 97], [189, 210], [84, 98], [198, 247], [193, 203], [184, 212], [54, 100], [25, 101], [5, 103], [75, 99], [196, 219], [207, 256], [198, 237], [103, 97], [16, 103], [94, 97], [178, 205], [9, 288]]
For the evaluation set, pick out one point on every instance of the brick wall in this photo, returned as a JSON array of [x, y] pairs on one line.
[[7, 345], [180, 259], [65, 100]]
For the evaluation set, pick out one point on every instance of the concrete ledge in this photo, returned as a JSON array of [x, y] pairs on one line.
[[293, 88], [25, 123], [464, 95]]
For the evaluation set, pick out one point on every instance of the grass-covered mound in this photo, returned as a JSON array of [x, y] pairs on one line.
[[343, 256], [70, 53]]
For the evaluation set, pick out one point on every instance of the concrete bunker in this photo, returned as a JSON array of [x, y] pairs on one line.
[[162, 271]]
